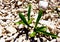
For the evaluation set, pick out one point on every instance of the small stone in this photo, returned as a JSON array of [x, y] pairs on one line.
[[38, 40], [0, 32], [48, 23], [2, 40], [11, 29], [44, 39], [43, 4], [48, 31], [59, 34], [47, 41], [35, 38], [19, 3], [59, 9], [21, 26], [53, 40], [58, 39]]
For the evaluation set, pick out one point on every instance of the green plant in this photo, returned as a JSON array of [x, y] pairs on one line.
[[41, 29], [23, 17], [29, 11]]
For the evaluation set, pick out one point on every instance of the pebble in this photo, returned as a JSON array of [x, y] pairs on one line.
[[19, 3], [2, 40], [11, 29], [38, 40], [48, 31], [44, 39], [58, 39], [43, 4], [48, 23], [59, 34], [53, 40], [59, 9], [47, 41], [21, 26], [0, 32]]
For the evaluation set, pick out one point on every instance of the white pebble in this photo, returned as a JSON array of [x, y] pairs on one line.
[[11, 29], [3, 11], [21, 26], [43, 4], [19, 3], [0, 32], [48, 23], [58, 39], [47, 41], [44, 39], [38, 40], [48, 31], [2, 40], [59, 9], [15, 35], [59, 34], [53, 40]]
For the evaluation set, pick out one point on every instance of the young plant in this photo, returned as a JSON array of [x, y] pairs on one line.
[[41, 29], [24, 21], [38, 30]]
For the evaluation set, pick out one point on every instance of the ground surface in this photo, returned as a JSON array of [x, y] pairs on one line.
[[9, 16]]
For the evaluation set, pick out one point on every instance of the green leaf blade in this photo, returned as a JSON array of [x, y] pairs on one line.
[[32, 34], [42, 28], [39, 16], [30, 21], [38, 30], [19, 22], [23, 19], [29, 11], [49, 34]]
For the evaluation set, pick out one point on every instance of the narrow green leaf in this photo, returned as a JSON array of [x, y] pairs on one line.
[[49, 34], [29, 11], [44, 32], [43, 28], [32, 34], [30, 21], [39, 16], [19, 22], [23, 19]]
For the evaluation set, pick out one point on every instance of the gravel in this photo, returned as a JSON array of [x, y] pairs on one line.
[[11, 32]]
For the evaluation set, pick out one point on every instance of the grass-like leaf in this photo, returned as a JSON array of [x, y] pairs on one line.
[[39, 16], [43, 28], [32, 34], [38, 30], [49, 34], [29, 11], [23, 19], [19, 22], [30, 21]]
